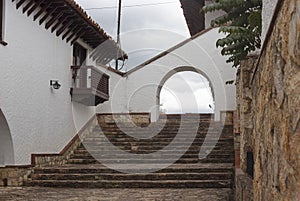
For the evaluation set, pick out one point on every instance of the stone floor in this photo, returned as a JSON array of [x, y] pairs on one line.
[[71, 194]]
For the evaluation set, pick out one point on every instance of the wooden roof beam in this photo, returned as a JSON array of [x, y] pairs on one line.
[[74, 33], [63, 28], [48, 14], [81, 33], [36, 5], [61, 21], [72, 28], [30, 3], [19, 4], [54, 18], [44, 8]]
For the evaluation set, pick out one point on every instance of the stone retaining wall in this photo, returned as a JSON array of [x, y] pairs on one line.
[[14, 176], [19, 175], [269, 109], [138, 119]]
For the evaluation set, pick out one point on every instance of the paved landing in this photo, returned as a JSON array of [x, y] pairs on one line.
[[72, 194]]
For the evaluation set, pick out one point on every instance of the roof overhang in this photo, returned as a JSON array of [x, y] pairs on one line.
[[68, 20]]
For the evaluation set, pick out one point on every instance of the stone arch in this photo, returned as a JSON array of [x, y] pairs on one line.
[[6, 143], [178, 70]]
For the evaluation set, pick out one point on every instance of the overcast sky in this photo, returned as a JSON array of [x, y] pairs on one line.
[[148, 28]]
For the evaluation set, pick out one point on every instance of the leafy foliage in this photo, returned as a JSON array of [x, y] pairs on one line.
[[241, 24]]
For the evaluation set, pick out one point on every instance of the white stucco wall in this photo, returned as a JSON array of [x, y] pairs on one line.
[[267, 14], [137, 92], [6, 146], [40, 118]]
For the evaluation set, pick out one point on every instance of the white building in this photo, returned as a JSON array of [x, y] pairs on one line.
[[37, 45], [41, 40]]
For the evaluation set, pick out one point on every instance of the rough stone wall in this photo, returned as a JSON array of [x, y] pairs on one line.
[[276, 105], [14, 176], [269, 109], [244, 109], [243, 186], [244, 142]]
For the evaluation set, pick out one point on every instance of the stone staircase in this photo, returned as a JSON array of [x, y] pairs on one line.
[[176, 147]]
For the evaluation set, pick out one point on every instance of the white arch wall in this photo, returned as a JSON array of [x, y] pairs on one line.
[[6, 145], [139, 88], [185, 85], [41, 120]]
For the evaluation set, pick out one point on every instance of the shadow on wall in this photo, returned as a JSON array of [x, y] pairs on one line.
[[6, 144]]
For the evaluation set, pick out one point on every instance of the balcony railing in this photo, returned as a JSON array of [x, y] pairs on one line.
[[91, 86]]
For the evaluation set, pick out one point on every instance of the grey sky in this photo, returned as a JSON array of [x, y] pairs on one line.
[[145, 30], [186, 91]]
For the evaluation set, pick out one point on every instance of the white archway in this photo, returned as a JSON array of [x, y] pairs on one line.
[[6, 144], [186, 86], [137, 91]]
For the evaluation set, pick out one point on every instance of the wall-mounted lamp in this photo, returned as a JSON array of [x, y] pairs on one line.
[[55, 84]]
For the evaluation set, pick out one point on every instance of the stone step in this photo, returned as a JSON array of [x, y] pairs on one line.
[[163, 139], [148, 149], [128, 177], [166, 156], [188, 171], [215, 137], [158, 145], [99, 168], [132, 184], [155, 161], [84, 152], [117, 130]]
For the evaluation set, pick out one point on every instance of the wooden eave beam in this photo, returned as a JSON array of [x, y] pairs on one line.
[[71, 28], [61, 21], [48, 14], [76, 31], [44, 8], [63, 28], [30, 3], [78, 36], [54, 18], [19, 4], [36, 5]]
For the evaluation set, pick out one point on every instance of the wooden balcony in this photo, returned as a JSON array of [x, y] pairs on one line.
[[91, 86]]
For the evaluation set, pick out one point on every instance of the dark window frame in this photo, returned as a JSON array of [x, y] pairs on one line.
[[79, 55], [250, 164], [2, 22], [1, 19]]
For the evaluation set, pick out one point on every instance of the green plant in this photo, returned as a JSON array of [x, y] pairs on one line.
[[241, 24]]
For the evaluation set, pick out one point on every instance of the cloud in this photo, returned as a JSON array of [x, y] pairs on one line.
[[143, 44], [180, 94], [142, 27]]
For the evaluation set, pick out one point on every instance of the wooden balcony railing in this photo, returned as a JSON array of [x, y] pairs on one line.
[[91, 86]]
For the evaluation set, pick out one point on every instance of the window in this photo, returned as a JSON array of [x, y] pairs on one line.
[[250, 164], [79, 55], [2, 22]]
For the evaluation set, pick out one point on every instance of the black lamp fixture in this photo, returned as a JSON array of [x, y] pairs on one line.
[[55, 84]]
